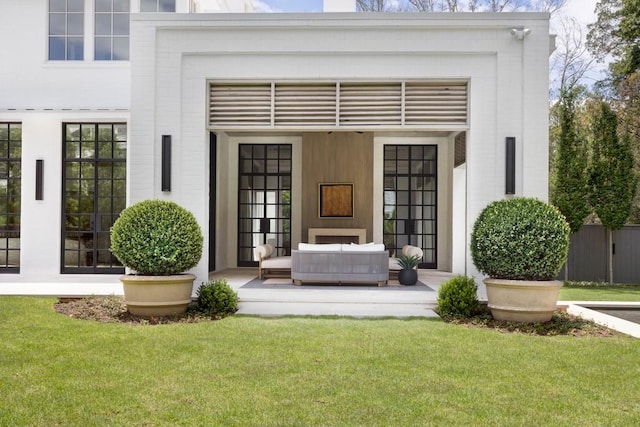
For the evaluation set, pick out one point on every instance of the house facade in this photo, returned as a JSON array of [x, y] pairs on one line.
[[265, 126]]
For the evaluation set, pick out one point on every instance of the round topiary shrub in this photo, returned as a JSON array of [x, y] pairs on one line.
[[520, 239], [157, 238], [216, 298], [457, 297]]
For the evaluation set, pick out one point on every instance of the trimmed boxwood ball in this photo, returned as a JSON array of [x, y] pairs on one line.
[[157, 238], [520, 239], [457, 297], [217, 298]]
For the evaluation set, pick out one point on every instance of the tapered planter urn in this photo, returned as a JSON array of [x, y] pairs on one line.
[[158, 240], [157, 295], [522, 300], [521, 244]]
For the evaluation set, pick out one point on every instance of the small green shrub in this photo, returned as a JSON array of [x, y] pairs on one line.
[[520, 239], [217, 298], [157, 238], [457, 297]]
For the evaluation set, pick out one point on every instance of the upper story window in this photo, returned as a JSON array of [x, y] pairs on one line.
[[66, 30], [111, 30], [157, 5]]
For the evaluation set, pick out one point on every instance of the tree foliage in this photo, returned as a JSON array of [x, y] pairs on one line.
[[616, 33], [570, 185], [612, 179]]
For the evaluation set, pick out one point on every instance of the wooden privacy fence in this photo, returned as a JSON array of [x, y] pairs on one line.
[[588, 255]]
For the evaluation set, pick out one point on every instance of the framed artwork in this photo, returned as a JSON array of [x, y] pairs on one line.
[[335, 200]]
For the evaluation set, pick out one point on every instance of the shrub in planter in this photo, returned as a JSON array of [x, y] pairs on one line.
[[217, 298], [520, 239], [157, 238], [521, 244], [457, 297]]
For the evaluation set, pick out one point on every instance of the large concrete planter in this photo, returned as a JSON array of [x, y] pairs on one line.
[[157, 295], [521, 300]]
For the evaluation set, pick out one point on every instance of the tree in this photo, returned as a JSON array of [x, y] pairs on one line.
[[570, 61], [611, 177], [460, 5], [378, 5], [616, 33], [570, 185]]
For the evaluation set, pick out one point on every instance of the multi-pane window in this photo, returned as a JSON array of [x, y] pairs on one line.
[[66, 30], [10, 165], [410, 199], [264, 199], [94, 194], [157, 5], [111, 30]]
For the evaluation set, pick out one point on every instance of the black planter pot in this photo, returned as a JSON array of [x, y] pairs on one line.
[[408, 277]]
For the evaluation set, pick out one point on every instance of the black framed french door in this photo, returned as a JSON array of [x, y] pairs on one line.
[[264, 199], [94, 193], [410, 199]]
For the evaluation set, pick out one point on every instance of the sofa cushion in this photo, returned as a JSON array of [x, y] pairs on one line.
[[367, 247], [394, 264], [319, 247], [262, 251], [412, 251], [281, 262]]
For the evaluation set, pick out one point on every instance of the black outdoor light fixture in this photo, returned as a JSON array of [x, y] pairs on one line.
[[510, 178], [39, 179], [166, 162]]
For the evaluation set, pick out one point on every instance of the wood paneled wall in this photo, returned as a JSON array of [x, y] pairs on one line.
[[337, 157]]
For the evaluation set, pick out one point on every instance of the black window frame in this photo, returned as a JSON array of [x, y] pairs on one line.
[[10, 164], [99, 228], [280, 225], [414, 229]]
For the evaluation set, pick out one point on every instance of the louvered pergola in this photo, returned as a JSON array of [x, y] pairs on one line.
[[313, 105]]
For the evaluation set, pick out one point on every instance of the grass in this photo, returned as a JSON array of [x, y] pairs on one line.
[[595, 291], [245, 371]]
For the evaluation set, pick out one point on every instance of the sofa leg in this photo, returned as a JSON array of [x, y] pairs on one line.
[[297, 282], [382, 284]]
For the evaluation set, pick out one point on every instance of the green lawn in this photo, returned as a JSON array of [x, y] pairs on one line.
[[244, 371], [584, 291]]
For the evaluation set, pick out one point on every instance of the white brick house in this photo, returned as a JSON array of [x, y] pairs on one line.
[[413, 110]]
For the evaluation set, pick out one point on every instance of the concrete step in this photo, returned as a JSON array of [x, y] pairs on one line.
[[275, 309], [373, 296]]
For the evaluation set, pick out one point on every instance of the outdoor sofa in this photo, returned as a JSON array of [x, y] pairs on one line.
[[340, 263]]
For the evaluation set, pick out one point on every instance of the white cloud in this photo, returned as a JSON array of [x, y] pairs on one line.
[[582, 10], [261, 6]]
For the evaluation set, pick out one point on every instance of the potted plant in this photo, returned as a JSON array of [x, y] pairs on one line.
[[521, 244], [158, 240], [408, 275]]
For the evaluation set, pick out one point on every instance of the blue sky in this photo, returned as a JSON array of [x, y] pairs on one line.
[[289, 5]]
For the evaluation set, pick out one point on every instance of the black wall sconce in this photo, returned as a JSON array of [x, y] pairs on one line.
[[510, 179], [166, 162], [39, 179]]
